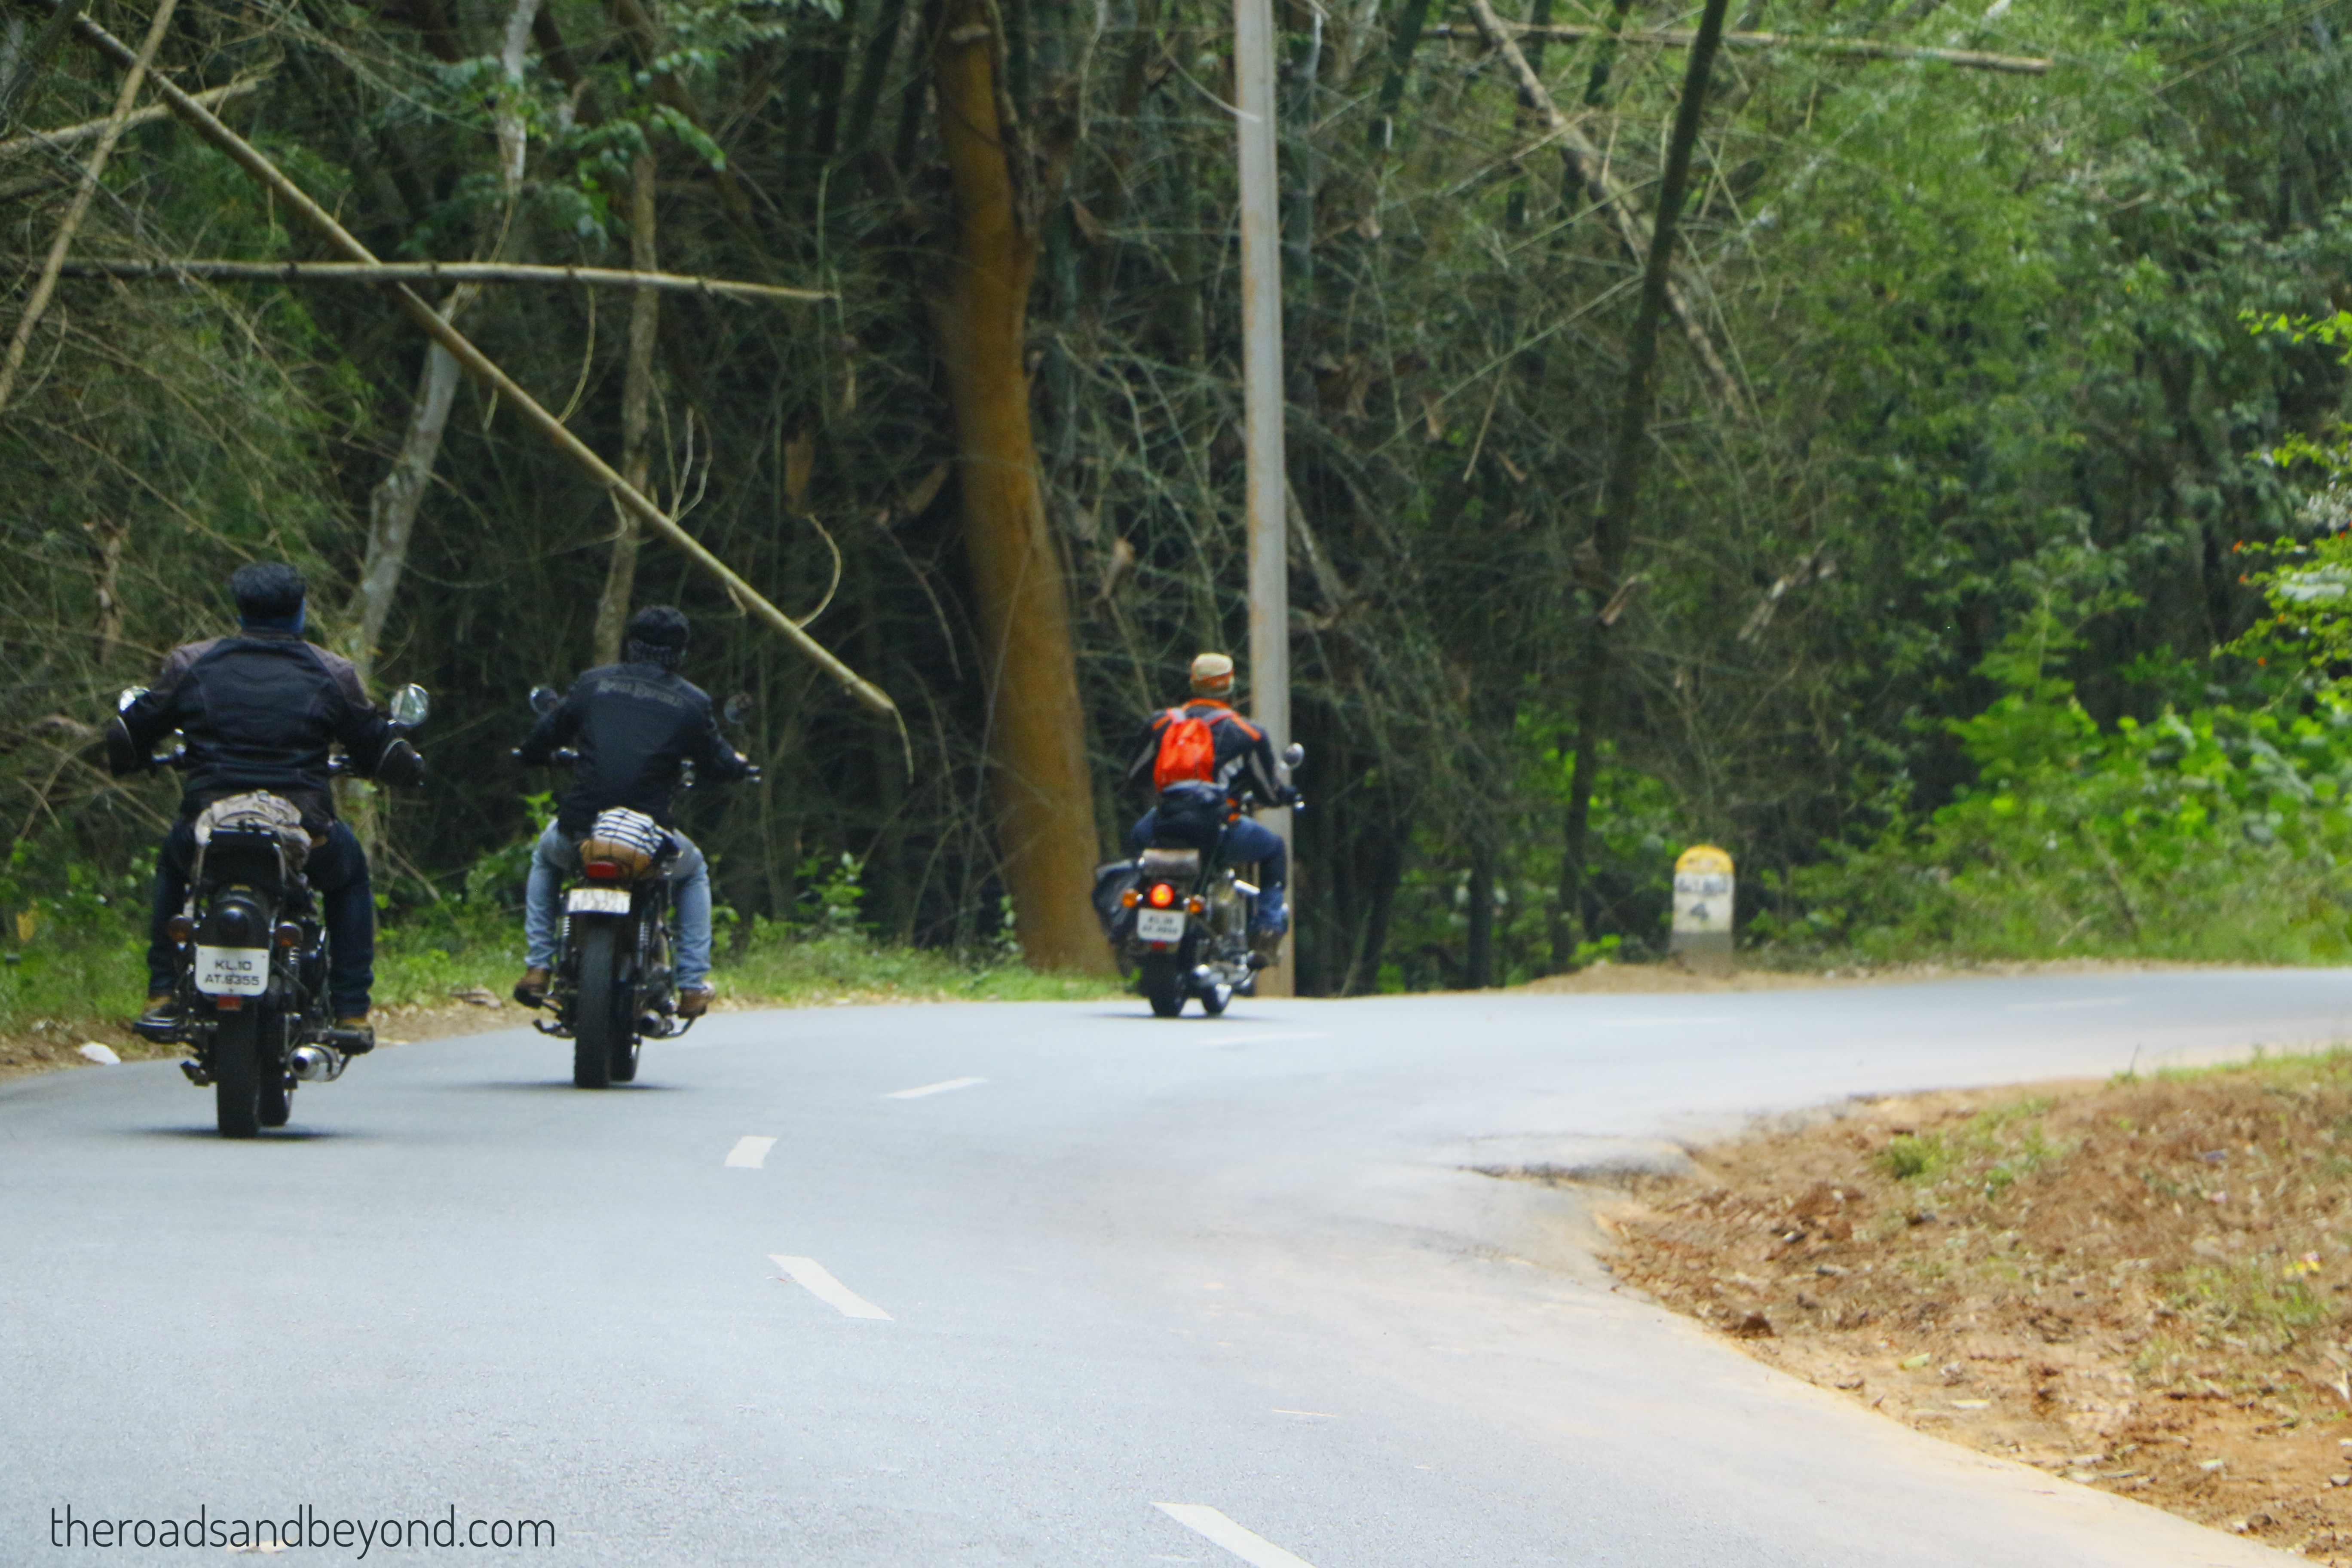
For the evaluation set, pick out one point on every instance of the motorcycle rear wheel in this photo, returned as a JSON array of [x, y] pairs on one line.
[[1214, 999], [595, 1007], [1163, 986], [236, 1073]]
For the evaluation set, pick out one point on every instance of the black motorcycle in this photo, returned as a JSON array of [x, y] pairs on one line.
[[612, 987], [250, 955], [1177, 916]]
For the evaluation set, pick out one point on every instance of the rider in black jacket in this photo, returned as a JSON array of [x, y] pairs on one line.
[[257, 711], [632, 725]]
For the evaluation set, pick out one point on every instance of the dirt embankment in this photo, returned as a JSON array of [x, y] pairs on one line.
[[2144, 1286]]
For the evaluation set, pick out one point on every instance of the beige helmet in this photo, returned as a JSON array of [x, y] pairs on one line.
[[1212, 675]]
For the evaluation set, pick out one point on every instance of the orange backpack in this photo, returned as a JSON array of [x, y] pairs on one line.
[[1188, 751]]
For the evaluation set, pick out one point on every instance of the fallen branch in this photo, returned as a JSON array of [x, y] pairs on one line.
[[487, 370], [381, 272], [1680, 38], [67, 135], [1591, 169]]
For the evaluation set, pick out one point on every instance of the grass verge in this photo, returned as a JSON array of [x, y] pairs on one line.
[[58, 994]]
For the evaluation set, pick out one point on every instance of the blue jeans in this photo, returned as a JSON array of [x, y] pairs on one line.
[[338, 874], [554, 857], [1246, 841]]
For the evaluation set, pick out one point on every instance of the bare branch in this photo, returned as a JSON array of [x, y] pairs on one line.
[[1859, 49], [1590, 167], [67, 135], [381, 272]]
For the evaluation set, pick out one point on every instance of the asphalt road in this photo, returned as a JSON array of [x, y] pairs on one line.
[[1104, 1263]]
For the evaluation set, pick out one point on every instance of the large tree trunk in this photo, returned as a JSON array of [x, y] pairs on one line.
[[1037, 729], [636, 403]]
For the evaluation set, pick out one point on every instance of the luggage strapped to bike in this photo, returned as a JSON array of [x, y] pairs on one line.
[[258, 813], [628, 839]]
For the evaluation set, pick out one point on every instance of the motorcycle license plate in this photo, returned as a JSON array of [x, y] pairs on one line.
[[232, 971], [598, 901], [1159, 925]]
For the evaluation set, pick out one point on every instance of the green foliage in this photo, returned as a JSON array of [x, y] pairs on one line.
[[1989, 327]]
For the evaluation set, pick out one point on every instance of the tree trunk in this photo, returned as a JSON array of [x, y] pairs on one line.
[[636, 403], [1042, 790], [1612, 532], [393, 505]]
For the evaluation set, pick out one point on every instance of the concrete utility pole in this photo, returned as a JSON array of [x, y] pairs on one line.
[[1269, 563]]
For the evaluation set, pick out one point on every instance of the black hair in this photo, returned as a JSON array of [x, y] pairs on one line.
[[268, 591], [657, 635]]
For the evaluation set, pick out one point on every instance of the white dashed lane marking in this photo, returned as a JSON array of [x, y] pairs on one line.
[[749, 1153], [1247, 1545], [818, 1282], [934, 1088]]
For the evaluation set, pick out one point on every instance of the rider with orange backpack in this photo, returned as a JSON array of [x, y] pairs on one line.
[[1200, 758]]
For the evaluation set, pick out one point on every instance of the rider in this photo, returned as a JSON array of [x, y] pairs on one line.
[[257, 711], [632, 725], [1206, 750]]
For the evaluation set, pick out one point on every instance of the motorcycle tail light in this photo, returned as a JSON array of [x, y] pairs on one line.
[[604, 871], [1162, 895], [1129, 899], [180, 928], [289, 934]]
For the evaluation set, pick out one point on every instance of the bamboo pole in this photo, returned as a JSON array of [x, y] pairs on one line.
[[1591, 170], [67, 135], [36, 303], [1864, 49], [452, 272], [487, 370]]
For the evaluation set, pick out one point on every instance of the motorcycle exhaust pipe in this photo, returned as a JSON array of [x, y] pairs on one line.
[[315, 1063]]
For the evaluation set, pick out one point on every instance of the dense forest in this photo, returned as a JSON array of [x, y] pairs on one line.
[[1984, 366]]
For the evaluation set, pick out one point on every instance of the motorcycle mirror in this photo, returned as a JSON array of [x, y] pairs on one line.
[[410, 705], [1292, 754], [739, 707], [128, 695], [544, 699]]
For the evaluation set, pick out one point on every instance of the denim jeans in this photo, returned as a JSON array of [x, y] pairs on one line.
[[338, 874], [554, 857], [1246, 841]]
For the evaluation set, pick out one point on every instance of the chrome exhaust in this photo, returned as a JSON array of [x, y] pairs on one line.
[[316, 1064]]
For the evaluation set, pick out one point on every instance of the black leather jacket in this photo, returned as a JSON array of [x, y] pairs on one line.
[[258, 712], [632, 725]]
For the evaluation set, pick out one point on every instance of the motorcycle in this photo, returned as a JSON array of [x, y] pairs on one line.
[[612, 989], [1178, 918], [250, 954]]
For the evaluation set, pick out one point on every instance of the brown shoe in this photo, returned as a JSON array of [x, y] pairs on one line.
[[531, 989], [694, 1001]]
